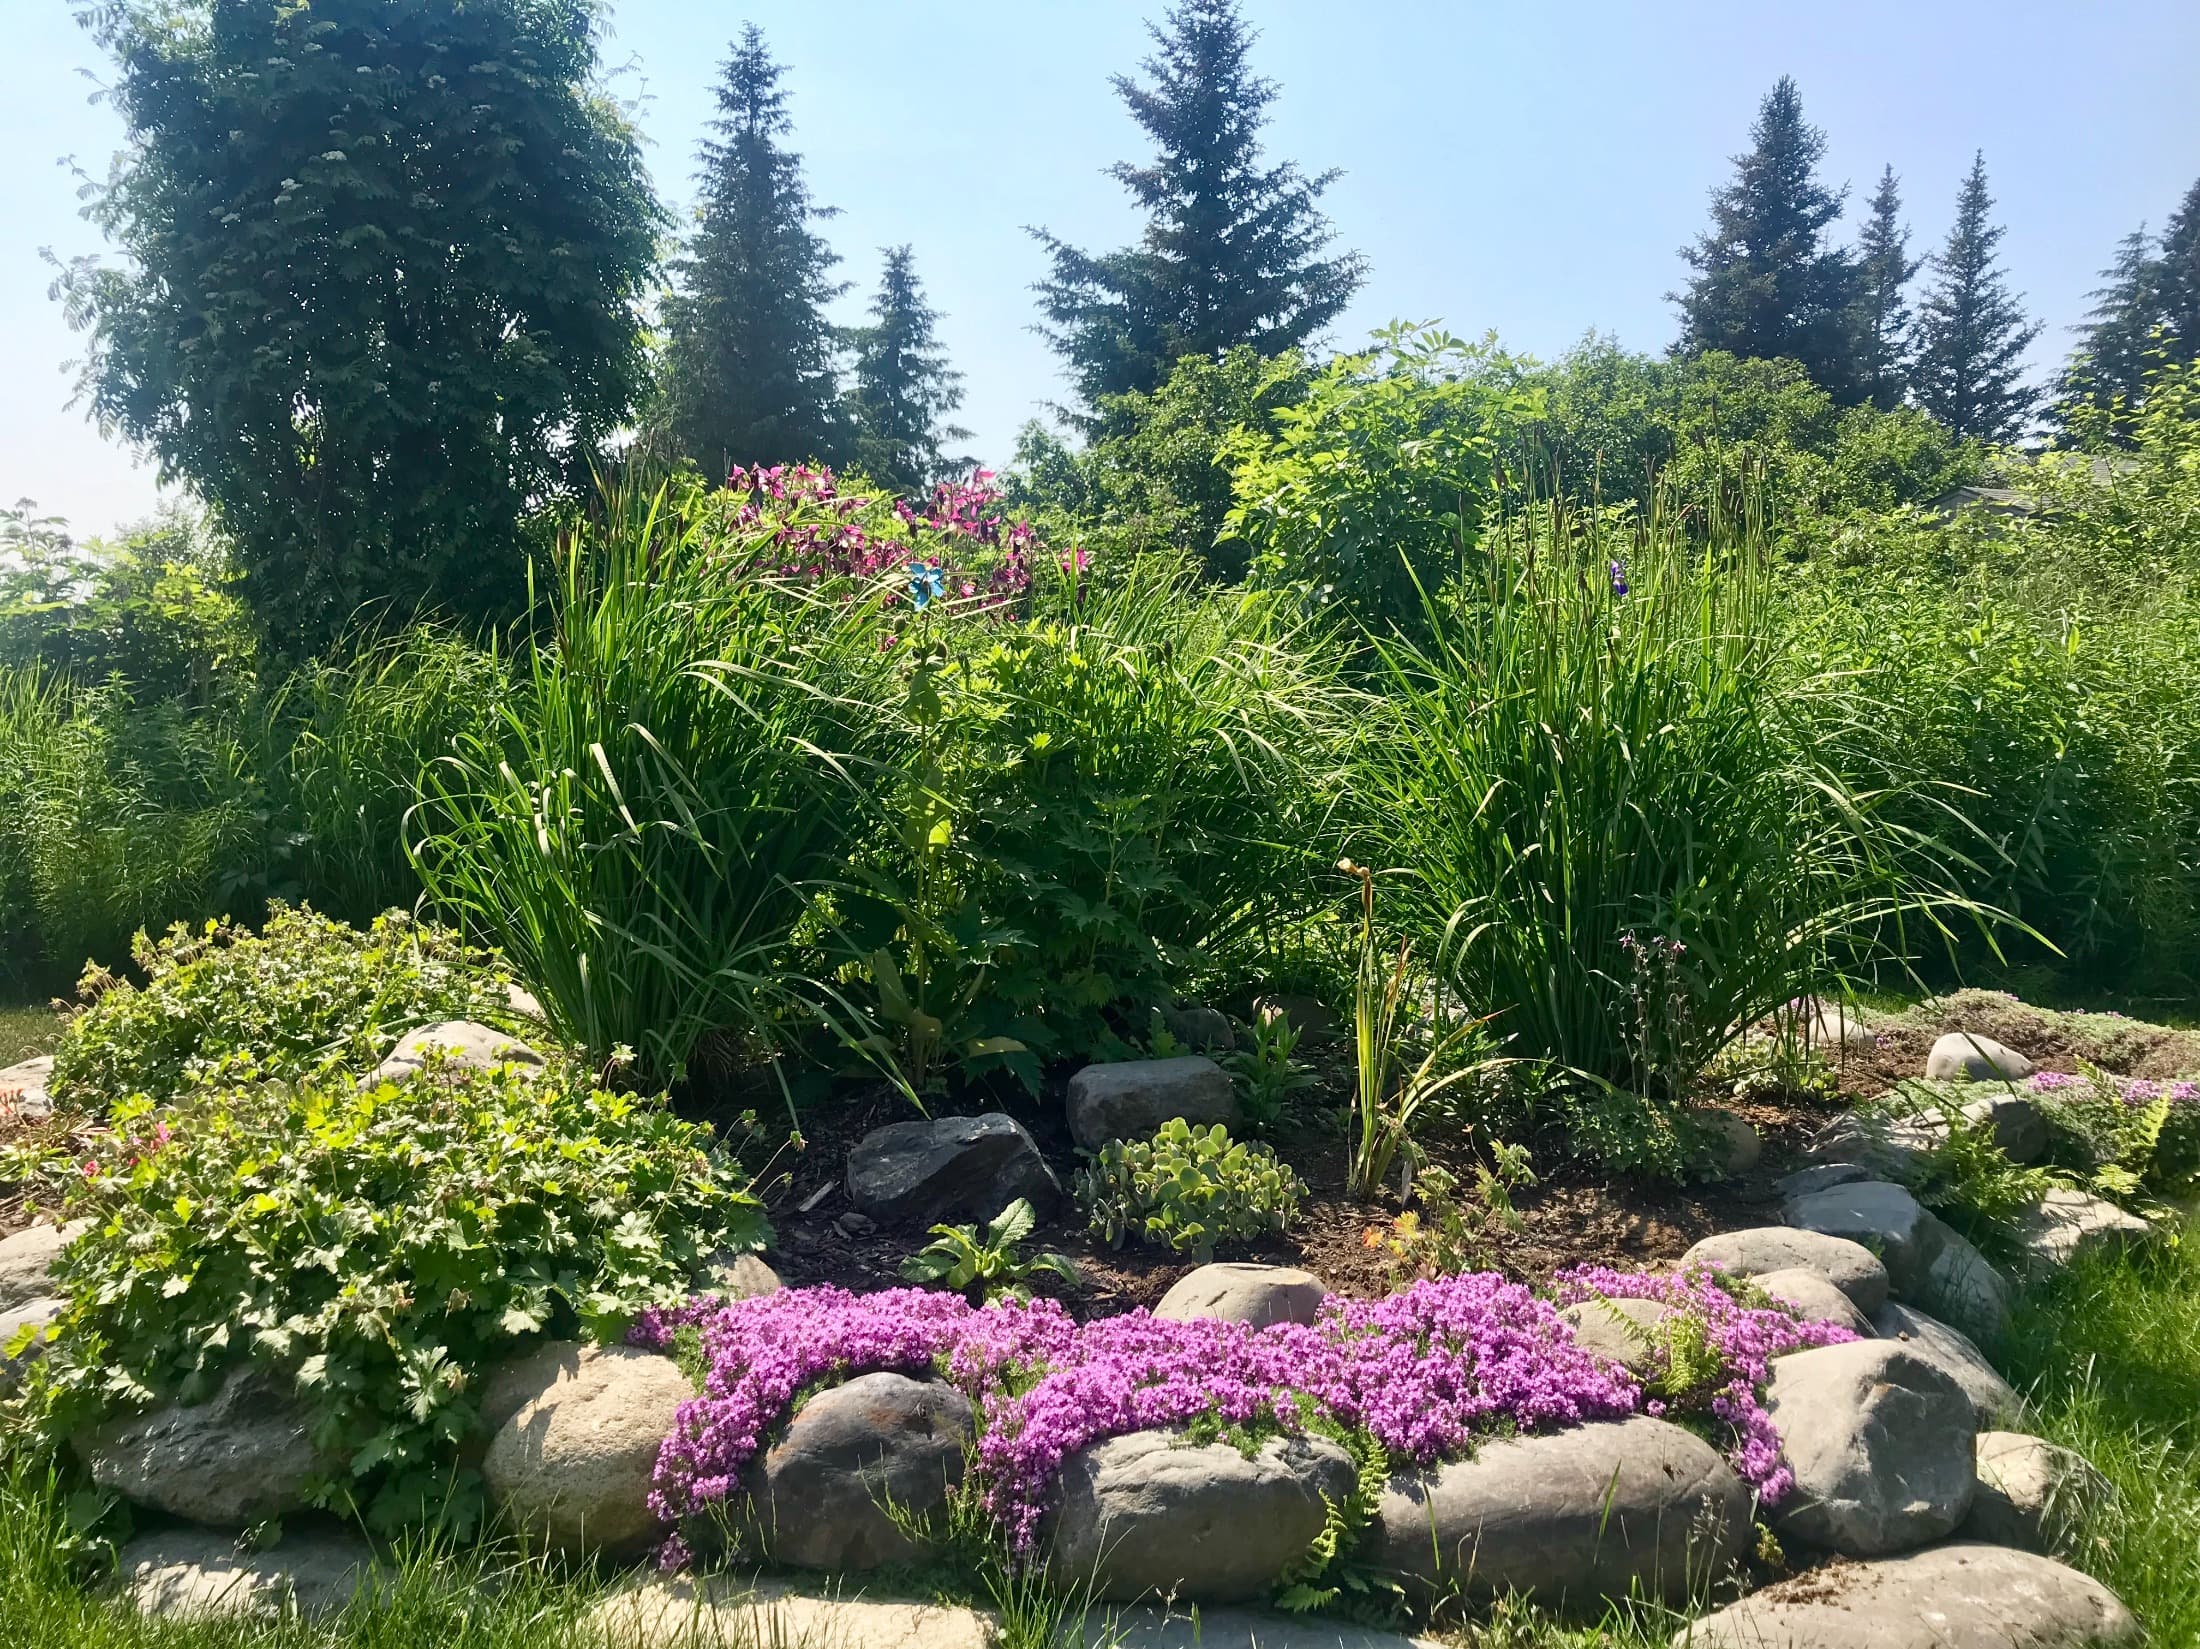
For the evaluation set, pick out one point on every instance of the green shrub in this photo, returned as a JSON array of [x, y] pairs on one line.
[[381, 1248], [305, 994], [1188, 1189]]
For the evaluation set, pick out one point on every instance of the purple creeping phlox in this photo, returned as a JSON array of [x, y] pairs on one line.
[[1425, 1372], [1745, 1338]]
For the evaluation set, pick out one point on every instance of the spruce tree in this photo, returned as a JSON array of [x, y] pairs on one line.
[[2179, 293], [749, 354], [1971, 329], [1883, 268], [2118, 343], [1233, 251], [1768, 284], [903, 385]]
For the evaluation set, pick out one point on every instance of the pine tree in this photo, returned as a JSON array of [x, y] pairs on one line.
[[1972, 331], [1767, 283], [2118, 342], [749, 368], [1883, 268], [903, 385], [1233, 249], [2180, 278]]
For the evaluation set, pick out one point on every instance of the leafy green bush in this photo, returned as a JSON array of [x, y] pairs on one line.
[[304, 994], [987, 1265], [1188, 1189], [381, 1248]]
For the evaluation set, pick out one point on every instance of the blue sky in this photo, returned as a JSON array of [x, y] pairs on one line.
[[1526, 169]]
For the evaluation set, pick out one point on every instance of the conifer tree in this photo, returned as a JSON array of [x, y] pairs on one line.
[[2179, 279], [903, 385], [1768, 283], [1883, 268], [1972, 331], [749, 355], [1233, 251], [2119, 341]]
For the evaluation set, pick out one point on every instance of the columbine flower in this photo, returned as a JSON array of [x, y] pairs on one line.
[[926, 584], [1619, 578]]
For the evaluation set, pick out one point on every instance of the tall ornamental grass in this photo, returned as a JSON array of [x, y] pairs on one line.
[[1604, 797], [643, 824]]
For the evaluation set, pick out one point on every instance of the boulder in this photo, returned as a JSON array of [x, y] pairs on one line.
[[1851, 1267], [1881, 1217], [946, 1170], [1965, 1056], [1621, 1331], [1237, 1293], [23, 1088], [1315, 1020], [1130, 1098], [733, 1276], [856, 1465], [1815, 1299], [1820, 1177], [1206, 1029], [1739, 1148], [1147, 1514], [1959, 1596], [1879, 1147], [30, 1314], [576, 1435], [1993, 1400], [2032, 1494], [723, 1611], [1880, 1440], [523, 1002], [1604, 1511], [243, 1456], [465, 1046], [2019, 1125], [1962, 1285], [2067, 1222], [28, 1258], [1188, 1626], [194, 1574]]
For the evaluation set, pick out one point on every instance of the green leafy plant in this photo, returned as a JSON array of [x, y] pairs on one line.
[[1189, 1189], [303, 994], [1267, 1076], [376, 1250], [1387, 1096], [1450, 1231], [988, 1265]]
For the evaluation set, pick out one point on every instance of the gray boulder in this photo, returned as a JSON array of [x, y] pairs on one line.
[[2032, 1494], [1571, 1518], [464, 1045], [1959, 1596], [1965, 1056], [1880, 1441], [1238, 1293], [1147, 1514], [1851, 1267], [948, 1170], [576, 1434], [1992, 1398], [1622, 1331], [28, 1258], [23, 1088], [733, 1276], [1878, 1147], [1206, 1029], [1130, 1098], [1815, 1299], [1962, 1285], [828, 1493], [739, 1611], [1881, 1217], [1820, 1177], [243, 1456], [30, 1314], [2067, 1222], [2019, 1125], [1739, 1146], [192, 1574], [1315, 1020]]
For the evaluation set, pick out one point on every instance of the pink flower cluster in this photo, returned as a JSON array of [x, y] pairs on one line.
[[803, 526], [1745, 1339], [1425, 1372], [2133, 1091]]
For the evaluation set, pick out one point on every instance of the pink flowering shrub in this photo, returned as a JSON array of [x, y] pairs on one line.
[[1717, 1353], [1424, 1373]]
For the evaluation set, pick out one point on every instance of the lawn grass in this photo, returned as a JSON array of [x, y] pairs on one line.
[[26, 1028]]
